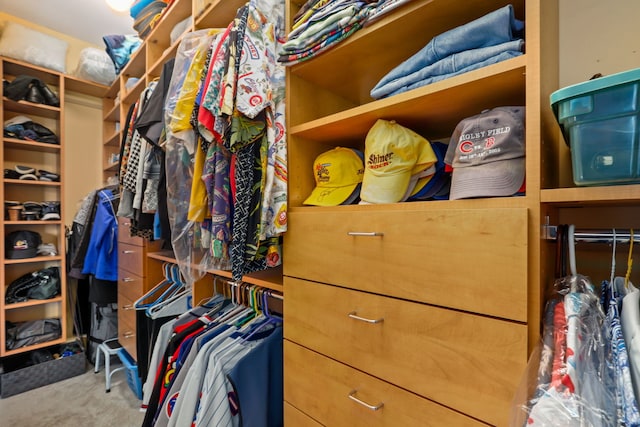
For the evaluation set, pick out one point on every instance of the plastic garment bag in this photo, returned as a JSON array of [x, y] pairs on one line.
[[580, 388], [181, 149]]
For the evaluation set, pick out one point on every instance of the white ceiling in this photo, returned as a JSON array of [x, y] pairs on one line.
[[86, 20]]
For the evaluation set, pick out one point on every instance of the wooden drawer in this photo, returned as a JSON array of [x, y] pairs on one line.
[[444, 355], [132, 258], [473, 260], [127, 325], [321, 388], [130, 285], [124, 233], [297, 418]]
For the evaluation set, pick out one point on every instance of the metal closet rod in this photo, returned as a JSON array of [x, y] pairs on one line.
[[603, 235], [236, 284]]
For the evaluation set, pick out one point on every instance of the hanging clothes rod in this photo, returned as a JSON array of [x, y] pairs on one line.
[[550, 232], [237, 284]]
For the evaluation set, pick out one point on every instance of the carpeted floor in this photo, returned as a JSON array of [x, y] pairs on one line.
[[77, 401]]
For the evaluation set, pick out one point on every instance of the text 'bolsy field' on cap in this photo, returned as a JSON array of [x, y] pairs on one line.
[[487, 154], [338, 174]]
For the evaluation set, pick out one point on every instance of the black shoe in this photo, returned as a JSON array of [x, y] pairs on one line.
[[50, 98], [34, 95], [11, 174]]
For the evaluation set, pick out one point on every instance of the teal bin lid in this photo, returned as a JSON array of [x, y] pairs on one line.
[[591, 86]]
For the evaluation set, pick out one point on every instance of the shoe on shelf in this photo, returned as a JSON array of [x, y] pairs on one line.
[[48, 176], [11, 174], [50, 211], [22, 169], [34, 95], [50, 98]]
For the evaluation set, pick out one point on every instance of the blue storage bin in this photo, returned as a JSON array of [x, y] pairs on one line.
[[134, 381], [599, 121]]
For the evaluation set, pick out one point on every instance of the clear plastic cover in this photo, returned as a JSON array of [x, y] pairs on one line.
[[95, 65], [569, 380], [190, 248]]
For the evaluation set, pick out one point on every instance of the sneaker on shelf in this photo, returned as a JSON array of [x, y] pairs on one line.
[[26, 173], [50, 211], [11, 174], [21, 169], [48, 176], [47, 249]]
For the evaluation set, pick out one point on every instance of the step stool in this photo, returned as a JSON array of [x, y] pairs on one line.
[[108, 348]]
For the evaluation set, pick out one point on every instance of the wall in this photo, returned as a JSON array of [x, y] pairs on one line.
[[597, 37], [83, 129]]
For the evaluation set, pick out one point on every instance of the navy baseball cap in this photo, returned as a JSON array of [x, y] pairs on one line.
[[22, 244]]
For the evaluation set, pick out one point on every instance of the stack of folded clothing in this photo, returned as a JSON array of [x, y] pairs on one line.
[[492, 38], [320, 25], [145, 14], [22, 127], [120, 48]]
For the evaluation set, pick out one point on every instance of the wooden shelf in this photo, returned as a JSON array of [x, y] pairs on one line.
[[604, 195], [31, 109], [131, 95], [270, 278], [30, 182], [218, 14], [34, 346], [31, 145], [113, 140], [359, 55], [15, 67], [33, 260], [33, 302], [36, 222], [113, 114], [177, 12], [87, 87], [431, 110], [170, 52], [111, 167], [136, 65]]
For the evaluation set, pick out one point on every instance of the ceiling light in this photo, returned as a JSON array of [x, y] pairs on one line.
[[120, 5]]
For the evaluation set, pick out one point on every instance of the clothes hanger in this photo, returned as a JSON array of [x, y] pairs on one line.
[[572, 249], [177, 299], [629, 261], [155, 293]]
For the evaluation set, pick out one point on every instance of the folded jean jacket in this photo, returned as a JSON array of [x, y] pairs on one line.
[[494, 28], [450, 66]]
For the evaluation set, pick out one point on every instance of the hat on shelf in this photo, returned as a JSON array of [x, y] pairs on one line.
[[22, 244], [338, 174], [429, 186], [50, 211], [393, 154], [487, 154]]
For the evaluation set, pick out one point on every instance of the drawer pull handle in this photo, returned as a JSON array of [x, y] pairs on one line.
[[353, 315], [127, 307], [128, 279], [128, 335], [128, 252], [365, 233], [365, 404]]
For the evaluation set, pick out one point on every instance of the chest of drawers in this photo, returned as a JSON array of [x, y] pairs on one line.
[[408, 309], [135, 277]]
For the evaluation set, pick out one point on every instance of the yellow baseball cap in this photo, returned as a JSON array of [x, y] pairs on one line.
[[338, 174], [393, 153]]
